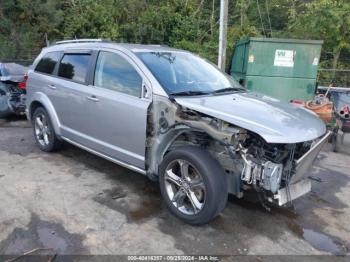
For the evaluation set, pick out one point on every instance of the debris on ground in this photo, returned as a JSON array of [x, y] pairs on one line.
[[28, 253]]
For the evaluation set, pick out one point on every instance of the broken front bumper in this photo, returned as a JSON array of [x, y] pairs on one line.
[[299, 186], [294, 191], [303, 163]]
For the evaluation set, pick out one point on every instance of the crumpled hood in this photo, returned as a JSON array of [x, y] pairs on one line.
[[273, 120]]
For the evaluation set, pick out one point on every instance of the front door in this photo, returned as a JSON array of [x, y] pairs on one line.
[[117, 110]]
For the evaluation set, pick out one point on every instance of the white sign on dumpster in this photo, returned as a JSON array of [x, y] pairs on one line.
[[284, 58]]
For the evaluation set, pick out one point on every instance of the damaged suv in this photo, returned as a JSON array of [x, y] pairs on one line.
[[176, 118]]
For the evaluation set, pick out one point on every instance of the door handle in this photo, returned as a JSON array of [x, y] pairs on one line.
[[93, 98], [51, 86]]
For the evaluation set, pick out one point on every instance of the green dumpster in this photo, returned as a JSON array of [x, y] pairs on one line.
[[282, 68]]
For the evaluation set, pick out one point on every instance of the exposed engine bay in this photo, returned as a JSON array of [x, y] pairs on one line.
[[249, 161]]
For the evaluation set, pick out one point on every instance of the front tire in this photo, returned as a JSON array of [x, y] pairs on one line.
[[44, 133], [193, 184]]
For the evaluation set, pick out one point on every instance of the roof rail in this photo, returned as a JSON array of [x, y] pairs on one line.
[[86, 40]]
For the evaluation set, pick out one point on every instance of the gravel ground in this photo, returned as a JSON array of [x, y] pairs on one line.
[[76, 203]]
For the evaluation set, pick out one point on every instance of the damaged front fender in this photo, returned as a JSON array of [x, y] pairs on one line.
[[168, 121]]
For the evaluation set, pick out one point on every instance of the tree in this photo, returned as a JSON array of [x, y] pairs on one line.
[[327, 20], [23, 25], [91, 19], [186, 24]]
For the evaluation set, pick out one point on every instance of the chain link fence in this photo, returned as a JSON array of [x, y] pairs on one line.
[[23, 57], [336, 77], [24, 62]]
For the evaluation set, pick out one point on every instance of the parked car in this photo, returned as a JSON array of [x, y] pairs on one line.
[[12, 89], [172, 116]]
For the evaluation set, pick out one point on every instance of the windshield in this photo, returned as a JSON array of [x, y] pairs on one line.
[[181, 72]]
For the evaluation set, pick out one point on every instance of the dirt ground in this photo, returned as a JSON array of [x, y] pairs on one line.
[[76, 203]]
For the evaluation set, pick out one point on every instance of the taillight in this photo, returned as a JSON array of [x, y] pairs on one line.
[[23, 85]]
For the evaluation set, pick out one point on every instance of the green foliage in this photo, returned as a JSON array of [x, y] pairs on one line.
[[186, 24], [23, 24], [327, 20], [91, 19]]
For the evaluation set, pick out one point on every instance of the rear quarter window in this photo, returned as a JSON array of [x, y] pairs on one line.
[[74, 67], [47, 63]]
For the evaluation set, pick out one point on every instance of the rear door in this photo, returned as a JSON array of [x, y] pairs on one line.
[[69, 91], [118, 110], [44, 73]]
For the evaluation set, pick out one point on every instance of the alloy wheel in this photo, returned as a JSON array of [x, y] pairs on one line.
[[42, 130], [185, 187]]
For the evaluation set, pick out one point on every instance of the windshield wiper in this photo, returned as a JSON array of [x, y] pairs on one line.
[[228, 89], [189, 93]]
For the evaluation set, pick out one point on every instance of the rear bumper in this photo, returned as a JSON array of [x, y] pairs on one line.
[[303, 163]]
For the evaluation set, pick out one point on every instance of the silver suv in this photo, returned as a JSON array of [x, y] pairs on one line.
[[176, 118]]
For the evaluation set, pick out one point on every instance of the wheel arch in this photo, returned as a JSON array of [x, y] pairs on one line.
[[167, 142], [178, 139], [41, 100]]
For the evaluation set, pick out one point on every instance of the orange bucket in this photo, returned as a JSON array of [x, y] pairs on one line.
[[324, 110]]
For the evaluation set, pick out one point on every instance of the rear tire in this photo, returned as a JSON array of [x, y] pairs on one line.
[[44, 133], [197, 195]]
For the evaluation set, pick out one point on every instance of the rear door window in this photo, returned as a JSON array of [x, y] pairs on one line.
[[74, 67], [48, 62], [115, 73]]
